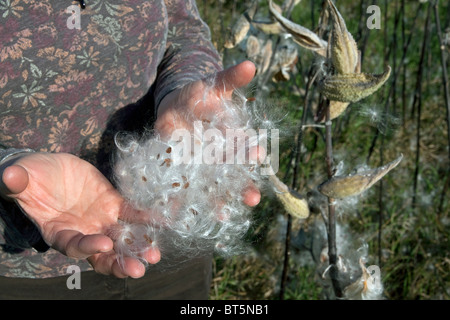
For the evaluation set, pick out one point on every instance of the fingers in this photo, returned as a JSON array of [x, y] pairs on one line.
[[14, 180], [235, 77], [252, 196], [77, 245], [152, 255], [99, 251], [108, 264]]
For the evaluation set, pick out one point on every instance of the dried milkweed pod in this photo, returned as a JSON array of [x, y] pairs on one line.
[[353, 87], [294, 203], [346, 186], [347, 84], [240, 28], [301, 35], [344, 52], [270, 27], [253, 47], [286, 58]]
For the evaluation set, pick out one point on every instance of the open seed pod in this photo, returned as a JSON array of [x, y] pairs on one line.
[[294, 203], [301, 35], [353, 87], [346, 186]]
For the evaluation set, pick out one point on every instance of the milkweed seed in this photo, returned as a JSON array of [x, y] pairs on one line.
[[148, 239], [169, 150], [186, 185], [144, 179], [128, 241], [166, 162], [175, 185]]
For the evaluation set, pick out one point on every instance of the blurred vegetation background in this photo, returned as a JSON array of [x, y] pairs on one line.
[[404, 219]]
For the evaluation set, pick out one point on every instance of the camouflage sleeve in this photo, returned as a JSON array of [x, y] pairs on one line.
[[190, 54]]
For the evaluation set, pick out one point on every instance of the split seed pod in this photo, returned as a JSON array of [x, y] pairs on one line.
[[346, 186], [354, 86], [344, 52], [301, 35], [240, 28], [294, 203]]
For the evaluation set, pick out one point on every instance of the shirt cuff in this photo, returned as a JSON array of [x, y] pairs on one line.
[[5, 154]]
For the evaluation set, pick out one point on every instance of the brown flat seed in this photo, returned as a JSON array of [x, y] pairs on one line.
[[184, 178], [169, 150], [166, 162], [186, 185], [148, 239], [128, 241], [175, 185], [144, 179], [193, 211]]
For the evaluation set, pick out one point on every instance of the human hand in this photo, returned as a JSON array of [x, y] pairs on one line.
[[198, 99], [73, 205]]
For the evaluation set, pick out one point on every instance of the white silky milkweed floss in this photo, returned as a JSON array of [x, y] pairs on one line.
[[187, 191]]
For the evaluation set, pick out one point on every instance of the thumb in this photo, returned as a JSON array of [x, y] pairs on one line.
[[14, 180], [235, 77]]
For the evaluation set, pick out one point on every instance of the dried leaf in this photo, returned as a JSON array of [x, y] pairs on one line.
[[353, 87], [286, 58], [266, 56], [301, 35], [295, 204], [240, 28], [238, 32], [344, 52], [272, 27], [346, 186], [253, 48]]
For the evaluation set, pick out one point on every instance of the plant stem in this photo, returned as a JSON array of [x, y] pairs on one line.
[[446, 95], [332, 251], [444, 70], [418, 101], [287, 253]]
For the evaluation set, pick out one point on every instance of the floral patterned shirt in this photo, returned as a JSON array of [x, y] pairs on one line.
[[71, 78]]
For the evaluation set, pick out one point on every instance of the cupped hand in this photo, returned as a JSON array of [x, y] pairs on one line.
[[73, 205], [202, 98]]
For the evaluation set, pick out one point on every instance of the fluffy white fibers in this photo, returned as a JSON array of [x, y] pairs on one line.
[[185, 194]]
